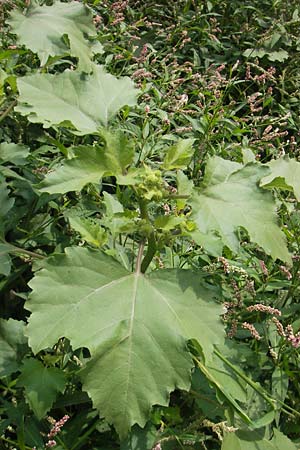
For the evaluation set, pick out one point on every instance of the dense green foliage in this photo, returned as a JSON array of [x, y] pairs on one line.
[[149, 225]]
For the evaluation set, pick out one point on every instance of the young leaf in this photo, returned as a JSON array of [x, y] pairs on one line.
[[42, 29], [230, 198], [42, 384], [135, 327], [179, 155], [12, 345], [85, 101], [285, 174], [90, 231], [90, 164]]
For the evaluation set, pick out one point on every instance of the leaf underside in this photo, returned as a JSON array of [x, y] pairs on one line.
[[135, 327], [231, 198]]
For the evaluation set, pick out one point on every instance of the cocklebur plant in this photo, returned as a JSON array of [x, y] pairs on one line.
[[142, 329]]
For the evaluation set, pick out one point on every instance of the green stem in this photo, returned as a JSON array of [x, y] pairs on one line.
[[151, 250], [85, 435], [26, 252], [151, 247], [8, 110], [9, 441], [139, 258]]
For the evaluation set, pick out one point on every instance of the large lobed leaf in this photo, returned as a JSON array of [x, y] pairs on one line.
[[42, 29], [135, 327], [85, 102], [285, 174], [231, 198]]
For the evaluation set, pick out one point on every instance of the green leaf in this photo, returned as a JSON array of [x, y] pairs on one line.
[[230, 198], [6, 203], [86, 102], [90, 164], [5, 261], [179, 155], [184, 187], [12, 345], [135, 327], [43, 29], [285, 174], [14, 153], [89, 230], [42, 384], [255, 440]]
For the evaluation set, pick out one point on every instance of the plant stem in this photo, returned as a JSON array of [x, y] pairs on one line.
[[151, 250], [139, 257], [151, 247], [26, 252], [8, 110]]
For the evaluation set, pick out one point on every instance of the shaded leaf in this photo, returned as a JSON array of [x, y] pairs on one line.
[[230, 198], [43, 29], [42, 384], [12, 345], [135, 327], [86, 102], [6, 203], [5, 261], [285, 174]]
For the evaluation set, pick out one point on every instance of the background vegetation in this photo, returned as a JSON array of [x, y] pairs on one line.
[[210, 80]]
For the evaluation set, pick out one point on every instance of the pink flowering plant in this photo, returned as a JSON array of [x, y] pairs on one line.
[[149, 225]]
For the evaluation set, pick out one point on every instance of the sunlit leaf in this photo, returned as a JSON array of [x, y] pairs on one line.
[[85, 102], [285, 174], [230, 198], [90, 164], [57, 30], [179, 155], [135, 327]]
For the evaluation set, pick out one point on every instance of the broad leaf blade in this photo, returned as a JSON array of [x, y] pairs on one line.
[[12, 345], [90, 164], [42, 30], [230, 198], [135, 327], [42, 384], [255, 440], [285, 174], [87, 102], [14, 153]]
